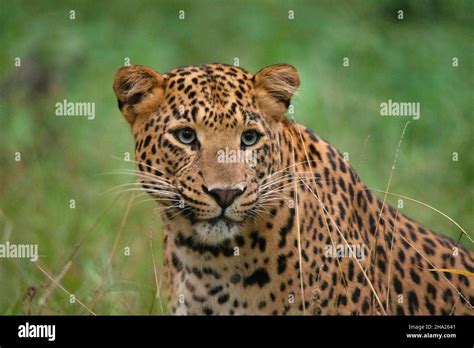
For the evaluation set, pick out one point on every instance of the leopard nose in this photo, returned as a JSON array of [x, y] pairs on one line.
[[224, 197]]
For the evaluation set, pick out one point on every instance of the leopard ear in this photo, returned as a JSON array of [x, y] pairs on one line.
[[139, 91], [275, 85]]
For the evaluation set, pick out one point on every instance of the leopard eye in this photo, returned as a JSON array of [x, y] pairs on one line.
[[250, 137], [185, 135]]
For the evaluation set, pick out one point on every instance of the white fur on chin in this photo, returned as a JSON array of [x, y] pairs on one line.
[[215, 232]]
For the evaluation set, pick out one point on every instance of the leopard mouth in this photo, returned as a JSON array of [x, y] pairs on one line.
[[215, 230], [221, 218]]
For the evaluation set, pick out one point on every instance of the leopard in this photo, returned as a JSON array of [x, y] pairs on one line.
[[262, 216]]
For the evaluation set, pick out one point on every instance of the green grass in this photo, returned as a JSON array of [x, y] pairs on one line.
[[67, 158]]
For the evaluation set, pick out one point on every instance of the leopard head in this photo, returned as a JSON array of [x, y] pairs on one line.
[[207, 137]]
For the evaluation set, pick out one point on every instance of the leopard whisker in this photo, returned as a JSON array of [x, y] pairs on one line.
[[282, 188], [181, 211], [141, 163], [291, 166], [157, 200], [138, 184], [159, 192], [287, 177], [165, 208], [142, 175]]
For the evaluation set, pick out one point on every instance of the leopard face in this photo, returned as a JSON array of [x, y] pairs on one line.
[[207, 139]]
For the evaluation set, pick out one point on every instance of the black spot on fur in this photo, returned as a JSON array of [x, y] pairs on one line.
[[281, 263], [259, 277]]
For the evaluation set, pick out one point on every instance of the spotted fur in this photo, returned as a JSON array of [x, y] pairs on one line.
[[266, 252]]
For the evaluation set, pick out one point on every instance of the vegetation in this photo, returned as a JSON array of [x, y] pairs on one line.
[[68, 158]]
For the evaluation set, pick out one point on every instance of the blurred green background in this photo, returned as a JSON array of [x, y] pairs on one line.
[[67, 158]]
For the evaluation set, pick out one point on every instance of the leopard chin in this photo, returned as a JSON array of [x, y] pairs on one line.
[[215, 231]]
